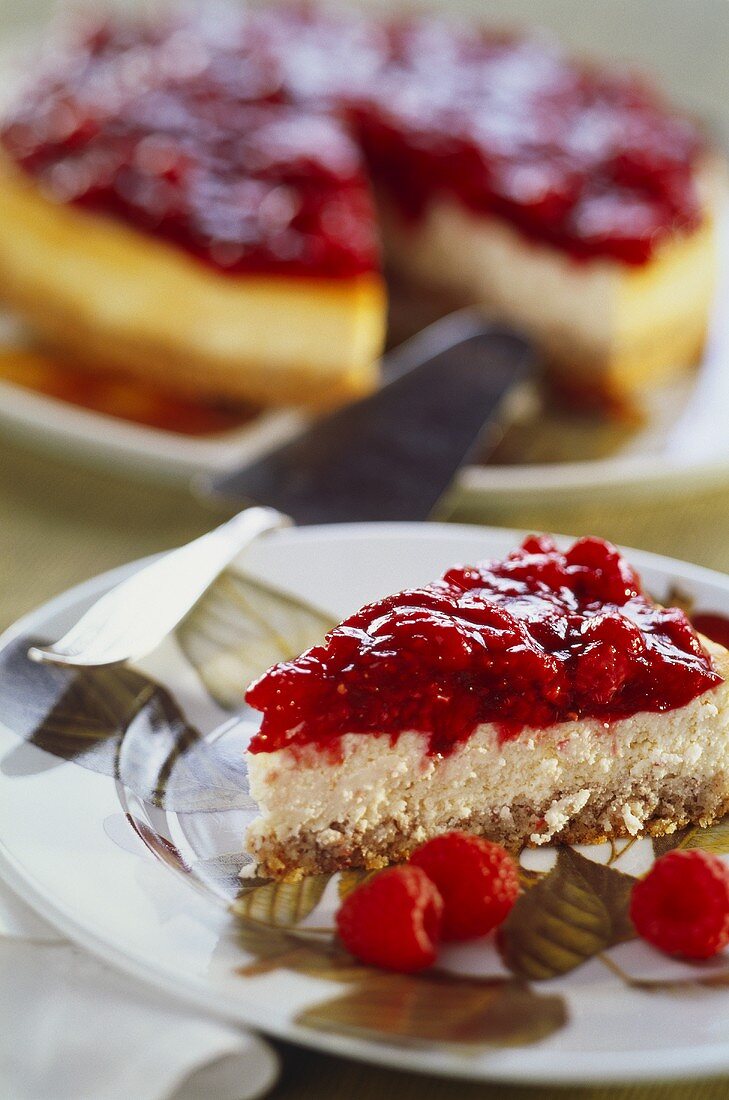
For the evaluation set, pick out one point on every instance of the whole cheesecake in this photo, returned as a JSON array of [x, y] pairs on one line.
[[540, 698], [204, 199]]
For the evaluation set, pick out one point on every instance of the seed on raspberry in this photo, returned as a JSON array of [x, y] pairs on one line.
[[682, 905], [393, 920], [478, 881]]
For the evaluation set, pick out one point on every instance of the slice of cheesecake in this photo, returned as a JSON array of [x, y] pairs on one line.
[[536, 699]]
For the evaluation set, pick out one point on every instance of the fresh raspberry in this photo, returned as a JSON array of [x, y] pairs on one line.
[[393, 920], [682, 905], [478, 881]]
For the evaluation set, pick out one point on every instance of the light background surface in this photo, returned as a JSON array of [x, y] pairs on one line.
[[61, 523]]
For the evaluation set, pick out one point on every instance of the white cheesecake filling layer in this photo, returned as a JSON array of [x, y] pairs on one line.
[[594, 315], [486, 261], [563, 772]]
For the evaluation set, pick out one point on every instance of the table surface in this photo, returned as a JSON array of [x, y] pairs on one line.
[[61, 523]]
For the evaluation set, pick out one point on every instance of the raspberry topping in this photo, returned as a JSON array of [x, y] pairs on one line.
[[713, 625], [237, 136], [586, 158], [682, 905], [538, 638], [478, 881], [185, 130], [393, 920]]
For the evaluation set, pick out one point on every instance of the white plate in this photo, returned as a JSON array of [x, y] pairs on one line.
[[118, 848], [684, 441]]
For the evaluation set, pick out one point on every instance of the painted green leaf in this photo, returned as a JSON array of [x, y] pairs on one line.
[[712, 973], [438, 1008], [718, 980], [240, 628], [576, 911], [529, 877], [278, 949], [281, 904], [72, 715], [714, 838], [350, 880], [121, 723], [663, 844]]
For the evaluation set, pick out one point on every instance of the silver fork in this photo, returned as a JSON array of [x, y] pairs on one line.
[[391, 455], [134, 617]]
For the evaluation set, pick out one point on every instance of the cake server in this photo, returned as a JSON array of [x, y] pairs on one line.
[[390, 456]]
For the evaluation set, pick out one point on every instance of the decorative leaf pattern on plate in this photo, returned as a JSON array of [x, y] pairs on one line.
[[319, 956], [439, 1008], [576, 911], [714, 838], [267, 916], [435, 1007], [120, 723], [240, 628], [79, 716], [282, 904], [186, 774], [350, 880]]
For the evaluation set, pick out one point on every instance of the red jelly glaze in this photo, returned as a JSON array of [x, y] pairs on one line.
[[539, 638], [590, 160], [713, 625], [186, 132], [239, 136]]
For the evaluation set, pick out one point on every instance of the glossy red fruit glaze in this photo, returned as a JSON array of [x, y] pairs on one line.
[[712, 625], [538, 638], [185, 130], [393, 920], [478, 881], [162, 125], [682, 905], [589, 159]]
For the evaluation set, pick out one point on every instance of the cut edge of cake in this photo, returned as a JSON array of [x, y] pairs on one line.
[[609, 330], [373, 801]]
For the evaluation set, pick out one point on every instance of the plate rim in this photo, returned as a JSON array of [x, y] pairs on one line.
[[568, 1068]]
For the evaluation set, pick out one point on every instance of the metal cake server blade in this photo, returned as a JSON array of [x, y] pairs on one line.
[[390, 456], [393, 455]]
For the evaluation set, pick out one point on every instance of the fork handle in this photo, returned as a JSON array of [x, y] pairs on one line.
[[134, 617]]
